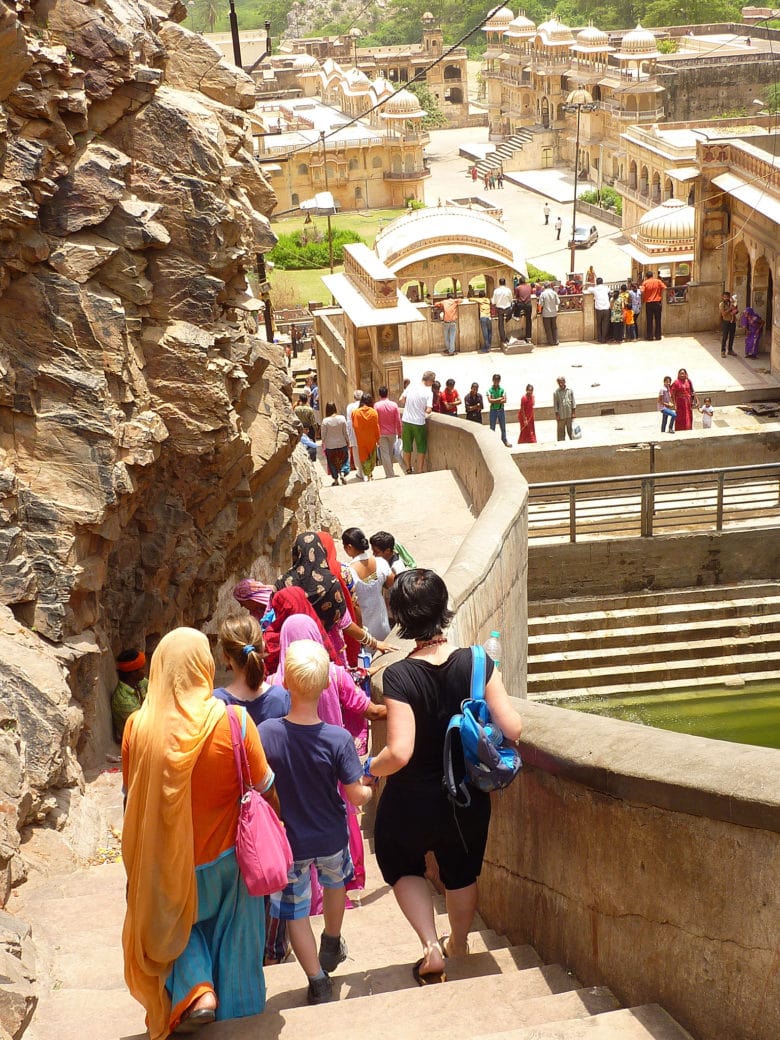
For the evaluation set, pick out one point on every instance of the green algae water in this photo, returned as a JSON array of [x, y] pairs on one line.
[[746, 715]]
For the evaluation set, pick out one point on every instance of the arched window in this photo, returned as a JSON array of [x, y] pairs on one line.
[[376, 162], [656, 187], [644, 181], [303, 169], [353, 164], [632, 181], [295, 200], [452, 72]]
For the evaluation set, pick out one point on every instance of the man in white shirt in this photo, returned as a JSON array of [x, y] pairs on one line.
[[502, 300], [600, 294], [389, 428], [417, 404]]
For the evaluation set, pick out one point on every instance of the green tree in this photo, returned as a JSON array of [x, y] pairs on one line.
[[207, 13], [693, 12], [772, 97], [434, 116]]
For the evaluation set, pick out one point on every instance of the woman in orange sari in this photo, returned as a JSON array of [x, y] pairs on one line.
[[193, 937], [366, 424]]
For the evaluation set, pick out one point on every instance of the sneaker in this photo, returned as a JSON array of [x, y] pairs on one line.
[[333, 950], [320, 991]]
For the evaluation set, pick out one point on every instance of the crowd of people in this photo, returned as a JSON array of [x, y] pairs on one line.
[[195, 941]]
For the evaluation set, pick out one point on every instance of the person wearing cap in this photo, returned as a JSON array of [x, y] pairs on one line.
[[130, 691]]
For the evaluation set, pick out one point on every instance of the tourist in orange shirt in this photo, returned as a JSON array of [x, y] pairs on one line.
[[652, 290], [366, 425], [449, 308], [193, 937]]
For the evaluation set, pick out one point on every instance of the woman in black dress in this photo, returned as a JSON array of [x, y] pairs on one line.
[[414, 814]]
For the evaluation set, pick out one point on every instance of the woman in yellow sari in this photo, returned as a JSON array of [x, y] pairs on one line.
[[193, 936]]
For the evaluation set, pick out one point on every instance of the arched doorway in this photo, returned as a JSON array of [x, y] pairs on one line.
[[761, 300], [545, 112]]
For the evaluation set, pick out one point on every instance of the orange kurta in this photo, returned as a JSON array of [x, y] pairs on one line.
[[366, 424]]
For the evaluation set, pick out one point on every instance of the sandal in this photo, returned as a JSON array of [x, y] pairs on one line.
[[430, 977], [191, 1021], [444, 944]]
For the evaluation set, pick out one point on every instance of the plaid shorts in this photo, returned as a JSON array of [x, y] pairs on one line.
[[294, 901]]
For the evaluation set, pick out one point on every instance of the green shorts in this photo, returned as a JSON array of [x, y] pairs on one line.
[[414, 435]]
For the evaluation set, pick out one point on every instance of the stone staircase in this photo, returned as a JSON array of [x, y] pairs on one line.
[[504, 152], [652, 641], [499, 991]]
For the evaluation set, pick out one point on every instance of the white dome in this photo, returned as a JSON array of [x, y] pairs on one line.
[[554, 33], [592, 38], [672, 224], [500, 20], [639, 43], [520, 28], [403, 105]]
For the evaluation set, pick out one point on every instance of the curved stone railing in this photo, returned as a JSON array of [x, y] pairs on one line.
[[647, 861], [487, 578]]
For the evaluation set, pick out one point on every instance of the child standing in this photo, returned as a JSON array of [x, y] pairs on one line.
[[310, 758], [706, 414], [666, 405]]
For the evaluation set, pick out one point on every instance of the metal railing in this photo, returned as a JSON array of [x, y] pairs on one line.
[[647, 505]]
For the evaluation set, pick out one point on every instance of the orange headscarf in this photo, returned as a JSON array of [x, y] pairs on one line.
[[163, 741]]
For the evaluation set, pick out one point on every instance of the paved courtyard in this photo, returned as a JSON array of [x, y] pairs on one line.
[[523, 208]]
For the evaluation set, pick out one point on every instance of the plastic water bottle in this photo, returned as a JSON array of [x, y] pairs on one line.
[[493, 649], [364, 658]]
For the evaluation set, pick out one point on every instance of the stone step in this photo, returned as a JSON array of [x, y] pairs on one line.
[[540, 610], [723, 627], [618, 688], [656, 673], [641, 613], [389, 969], [648, 1022], [436, 1012], [626, 656]]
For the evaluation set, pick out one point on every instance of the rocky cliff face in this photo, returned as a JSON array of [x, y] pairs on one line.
[[146, 437]]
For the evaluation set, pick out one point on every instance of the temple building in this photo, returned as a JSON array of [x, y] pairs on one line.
[[447, 80], [372, 162]]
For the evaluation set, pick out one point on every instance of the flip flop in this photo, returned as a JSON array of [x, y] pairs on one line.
[[444, 945], [430, 977]]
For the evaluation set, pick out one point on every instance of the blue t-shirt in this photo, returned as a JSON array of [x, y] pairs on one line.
[[308, 762], [272, 704]]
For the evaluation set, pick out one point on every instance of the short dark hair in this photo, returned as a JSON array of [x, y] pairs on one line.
[[418, 599], [366, 401], [599, 281], [383, 391], [383, 541], [502, 281], [330, 409], [354, 536], [303, 398]]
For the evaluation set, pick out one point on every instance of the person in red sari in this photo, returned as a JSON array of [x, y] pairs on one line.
[[525, 417], [684, 397], [351, 645]]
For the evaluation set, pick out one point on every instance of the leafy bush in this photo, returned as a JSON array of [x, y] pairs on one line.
[[536, 274], [307, 250], [610, 199]]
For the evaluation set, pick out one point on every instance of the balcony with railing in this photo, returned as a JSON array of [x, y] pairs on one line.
[[408, 175], [633, 115]]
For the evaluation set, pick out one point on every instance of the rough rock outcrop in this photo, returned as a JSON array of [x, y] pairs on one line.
[[147, 444]]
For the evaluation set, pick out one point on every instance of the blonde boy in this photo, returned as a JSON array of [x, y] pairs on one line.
[[310, 758]]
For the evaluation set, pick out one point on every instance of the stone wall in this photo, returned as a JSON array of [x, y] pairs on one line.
[[669, 455], [617, 566], [645, 861], [147, 444]]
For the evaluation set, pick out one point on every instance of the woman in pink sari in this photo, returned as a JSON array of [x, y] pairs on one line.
[[525, 417], [339, 697], [684, 398]]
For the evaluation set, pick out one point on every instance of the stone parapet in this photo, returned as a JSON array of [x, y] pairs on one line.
[[647, 861]]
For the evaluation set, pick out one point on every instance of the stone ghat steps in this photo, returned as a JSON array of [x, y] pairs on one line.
[[632, 653], [652, 641], [623, 687], [722, 623], [583, 607], [661, 672], [638, 1023]]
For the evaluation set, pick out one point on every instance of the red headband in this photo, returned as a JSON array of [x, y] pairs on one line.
[[139, 661]]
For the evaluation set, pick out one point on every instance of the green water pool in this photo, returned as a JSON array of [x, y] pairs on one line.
[[746, 715]]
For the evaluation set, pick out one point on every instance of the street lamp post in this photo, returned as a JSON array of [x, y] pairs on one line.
[[578, 100], [325, 170], [233, 18]]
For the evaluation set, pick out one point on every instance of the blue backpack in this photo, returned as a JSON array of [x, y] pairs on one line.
[[489, 765]]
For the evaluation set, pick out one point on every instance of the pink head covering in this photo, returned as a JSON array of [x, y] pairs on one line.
[[253, 595], [297, 626]]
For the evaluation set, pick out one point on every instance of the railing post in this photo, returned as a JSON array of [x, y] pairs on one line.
[[648, 500], [719, 505], [572, 513]]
